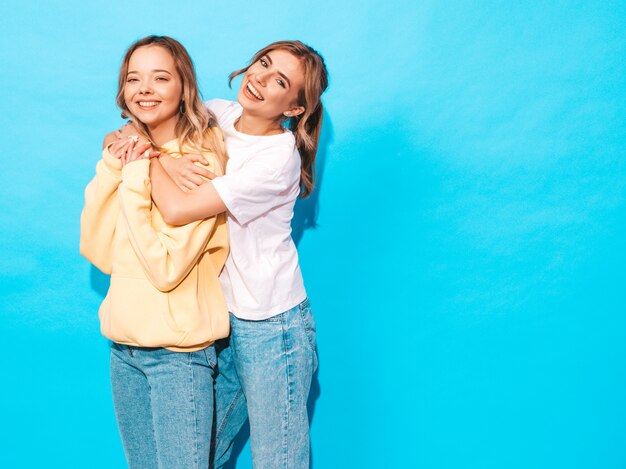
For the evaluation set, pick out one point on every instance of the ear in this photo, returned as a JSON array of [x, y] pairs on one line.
[[293, 112]]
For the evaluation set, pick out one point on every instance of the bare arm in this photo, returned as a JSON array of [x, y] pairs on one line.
[[178, 207], [166, 253], [188, 172]]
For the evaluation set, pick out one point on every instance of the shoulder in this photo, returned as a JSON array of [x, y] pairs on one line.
[[213, 133], [222, 107], [217, 132]]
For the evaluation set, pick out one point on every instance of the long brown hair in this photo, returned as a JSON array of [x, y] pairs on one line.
[[194, 119], [308, 125]]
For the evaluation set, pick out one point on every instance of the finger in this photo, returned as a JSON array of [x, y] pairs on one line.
[[116, 146], [138, 152], [195, 158], [124, 143], [210, 175], [186, 184], [149, 154], [118, 149], [199, 171], [194, 179], [128, 151]]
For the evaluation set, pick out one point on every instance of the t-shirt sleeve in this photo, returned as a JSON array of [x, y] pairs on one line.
[[266, 181]]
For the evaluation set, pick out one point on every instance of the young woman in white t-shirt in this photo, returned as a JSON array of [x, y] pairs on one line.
[[271, 135]]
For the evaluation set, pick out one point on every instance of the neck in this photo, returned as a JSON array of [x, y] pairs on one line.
[[163, 132], [253, 125]]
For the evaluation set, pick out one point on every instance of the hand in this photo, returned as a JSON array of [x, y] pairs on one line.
[[138, 150], [127, 130], [118, 148], [132, 149], [185, 173]]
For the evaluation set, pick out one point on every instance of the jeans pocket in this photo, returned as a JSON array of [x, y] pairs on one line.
[[309, 323], [210, 355]]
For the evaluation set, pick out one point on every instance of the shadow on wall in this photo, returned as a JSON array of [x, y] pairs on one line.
[[307, 210]]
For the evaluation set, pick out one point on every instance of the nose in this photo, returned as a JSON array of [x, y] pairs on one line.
[[261, 77], [145, 87]]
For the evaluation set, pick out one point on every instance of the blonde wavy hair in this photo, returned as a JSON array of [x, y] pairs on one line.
[[307, 126], [195, 122]]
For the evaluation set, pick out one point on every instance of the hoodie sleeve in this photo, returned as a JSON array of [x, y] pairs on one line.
[[99, 216], [168, 254]]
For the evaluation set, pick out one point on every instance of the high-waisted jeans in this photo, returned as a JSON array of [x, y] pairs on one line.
[[164, 405], [265, 374]]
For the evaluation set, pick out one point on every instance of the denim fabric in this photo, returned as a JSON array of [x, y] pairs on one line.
[[267, 370], [164, 405]]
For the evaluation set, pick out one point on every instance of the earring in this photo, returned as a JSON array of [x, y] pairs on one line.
[[181, 107]]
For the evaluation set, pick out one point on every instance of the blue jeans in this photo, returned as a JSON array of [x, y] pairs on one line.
[[164, 405], [265, 374]]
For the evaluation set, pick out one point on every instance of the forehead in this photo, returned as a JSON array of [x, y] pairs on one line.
[[288, 64], [151, 58]]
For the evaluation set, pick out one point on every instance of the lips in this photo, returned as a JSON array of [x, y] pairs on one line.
[[147, 105], [253, 92]]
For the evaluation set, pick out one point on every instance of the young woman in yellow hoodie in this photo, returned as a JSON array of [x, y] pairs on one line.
[[164, 308]]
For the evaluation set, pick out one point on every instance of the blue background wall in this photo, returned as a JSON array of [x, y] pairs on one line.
[[465, 252]]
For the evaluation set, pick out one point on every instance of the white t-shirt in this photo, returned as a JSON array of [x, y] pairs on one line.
[[262, 277]]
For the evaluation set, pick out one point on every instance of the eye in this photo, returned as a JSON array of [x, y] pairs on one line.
[[131, 80], [162, 79], [263, 62], [281, 83]]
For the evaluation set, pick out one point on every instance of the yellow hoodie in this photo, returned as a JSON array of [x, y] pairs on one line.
[[164, 289]]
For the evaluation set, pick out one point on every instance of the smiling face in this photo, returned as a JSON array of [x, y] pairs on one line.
[[153, 90], [271, 85]]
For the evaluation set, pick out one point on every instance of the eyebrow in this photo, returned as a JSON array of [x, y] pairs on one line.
[[153, 71], [269, 59]]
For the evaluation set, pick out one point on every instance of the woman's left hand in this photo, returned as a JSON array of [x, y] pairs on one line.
[[138, 150]]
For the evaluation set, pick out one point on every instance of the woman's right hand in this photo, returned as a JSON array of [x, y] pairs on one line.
[[131, 149], [184, 172], [120, 147]]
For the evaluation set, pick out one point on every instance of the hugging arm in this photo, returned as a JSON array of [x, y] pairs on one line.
[[178, 207], [169, 253]]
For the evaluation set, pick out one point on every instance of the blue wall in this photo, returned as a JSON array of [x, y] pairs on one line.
[[465, 252]]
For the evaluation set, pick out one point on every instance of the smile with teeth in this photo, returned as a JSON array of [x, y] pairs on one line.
[[254, 91], [147, 104]]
